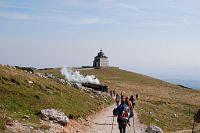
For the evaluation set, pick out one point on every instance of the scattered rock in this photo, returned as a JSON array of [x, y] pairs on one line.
[[9, 123], [79, 86], [31, 127], [26, 117], [62, 81], [52, 131], [175, 115], [157, 120], [150, 113], [54, 115], [17, 127], [41, 75], [30, 82], [153, 129]]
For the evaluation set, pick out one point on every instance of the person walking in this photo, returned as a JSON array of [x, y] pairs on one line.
[[123, 113], [117, 99], [137, 97], [111, 93], [121, 95], [129, 103], [132, 101], [114, 92]]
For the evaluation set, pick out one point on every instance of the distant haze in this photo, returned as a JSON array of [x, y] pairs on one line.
[[159, 38], [187, 83]]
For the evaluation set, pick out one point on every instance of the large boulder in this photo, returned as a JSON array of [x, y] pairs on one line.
[[153, 129], [55, 115]]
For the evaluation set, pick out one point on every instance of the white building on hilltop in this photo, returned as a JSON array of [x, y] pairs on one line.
[[100, 61]]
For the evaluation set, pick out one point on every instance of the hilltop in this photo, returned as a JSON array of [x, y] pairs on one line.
[[166, 105], [23, 94]]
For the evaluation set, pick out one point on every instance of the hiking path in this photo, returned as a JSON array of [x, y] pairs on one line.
[[103, 122]]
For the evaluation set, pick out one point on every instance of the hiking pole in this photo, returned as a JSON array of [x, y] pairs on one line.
[[133, 124], [112, 124]]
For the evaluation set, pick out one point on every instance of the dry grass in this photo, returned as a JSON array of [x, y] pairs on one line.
[[168, 106], [19, 98], [165, 105], [2, 120]]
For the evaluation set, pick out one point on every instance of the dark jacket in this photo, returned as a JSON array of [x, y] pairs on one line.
[[119, 110]]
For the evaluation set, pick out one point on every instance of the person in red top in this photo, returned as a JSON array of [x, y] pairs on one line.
[[129, 103]]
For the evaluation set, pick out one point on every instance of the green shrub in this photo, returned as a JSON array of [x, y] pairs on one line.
[[28, 69]]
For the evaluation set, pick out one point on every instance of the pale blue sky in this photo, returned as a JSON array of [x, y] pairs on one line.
[[160, 38]]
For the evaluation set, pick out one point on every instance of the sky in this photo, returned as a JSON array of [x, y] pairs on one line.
[[159, 38]]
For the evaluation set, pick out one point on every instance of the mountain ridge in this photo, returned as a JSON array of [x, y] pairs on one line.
[[194, 84]]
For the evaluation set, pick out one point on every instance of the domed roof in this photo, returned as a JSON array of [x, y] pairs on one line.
[[100, 54]]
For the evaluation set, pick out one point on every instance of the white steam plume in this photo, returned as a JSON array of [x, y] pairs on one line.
[[77, 77]]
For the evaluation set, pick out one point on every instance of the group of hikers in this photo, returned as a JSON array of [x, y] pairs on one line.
[[124, 110], [112, 93]]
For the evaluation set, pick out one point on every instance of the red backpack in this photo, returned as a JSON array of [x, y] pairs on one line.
[[124, 116]]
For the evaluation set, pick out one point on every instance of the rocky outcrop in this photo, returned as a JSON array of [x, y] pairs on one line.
[[54, 115], [153, 129]]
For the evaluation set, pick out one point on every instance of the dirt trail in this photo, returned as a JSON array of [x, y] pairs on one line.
[[102, 123]]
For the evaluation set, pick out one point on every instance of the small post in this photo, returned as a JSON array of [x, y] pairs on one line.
[[133, 124], [112, 123]]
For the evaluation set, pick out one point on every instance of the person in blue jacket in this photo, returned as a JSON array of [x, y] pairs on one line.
[[123, 113]]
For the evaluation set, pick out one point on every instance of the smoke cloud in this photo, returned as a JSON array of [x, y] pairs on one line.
[[75, 76]]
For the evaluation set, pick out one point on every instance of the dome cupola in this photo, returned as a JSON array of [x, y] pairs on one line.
[[100, 54]]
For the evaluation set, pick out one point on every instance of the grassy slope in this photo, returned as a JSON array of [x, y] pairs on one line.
[[19, 98], [156, 96], [55, 71], [159, 97]]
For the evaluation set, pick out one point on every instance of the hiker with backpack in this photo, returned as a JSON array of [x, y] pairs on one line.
[[122, 112], [117, 99], [129, 103]]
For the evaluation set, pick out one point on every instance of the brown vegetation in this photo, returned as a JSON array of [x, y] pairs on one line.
[[166, 105]]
